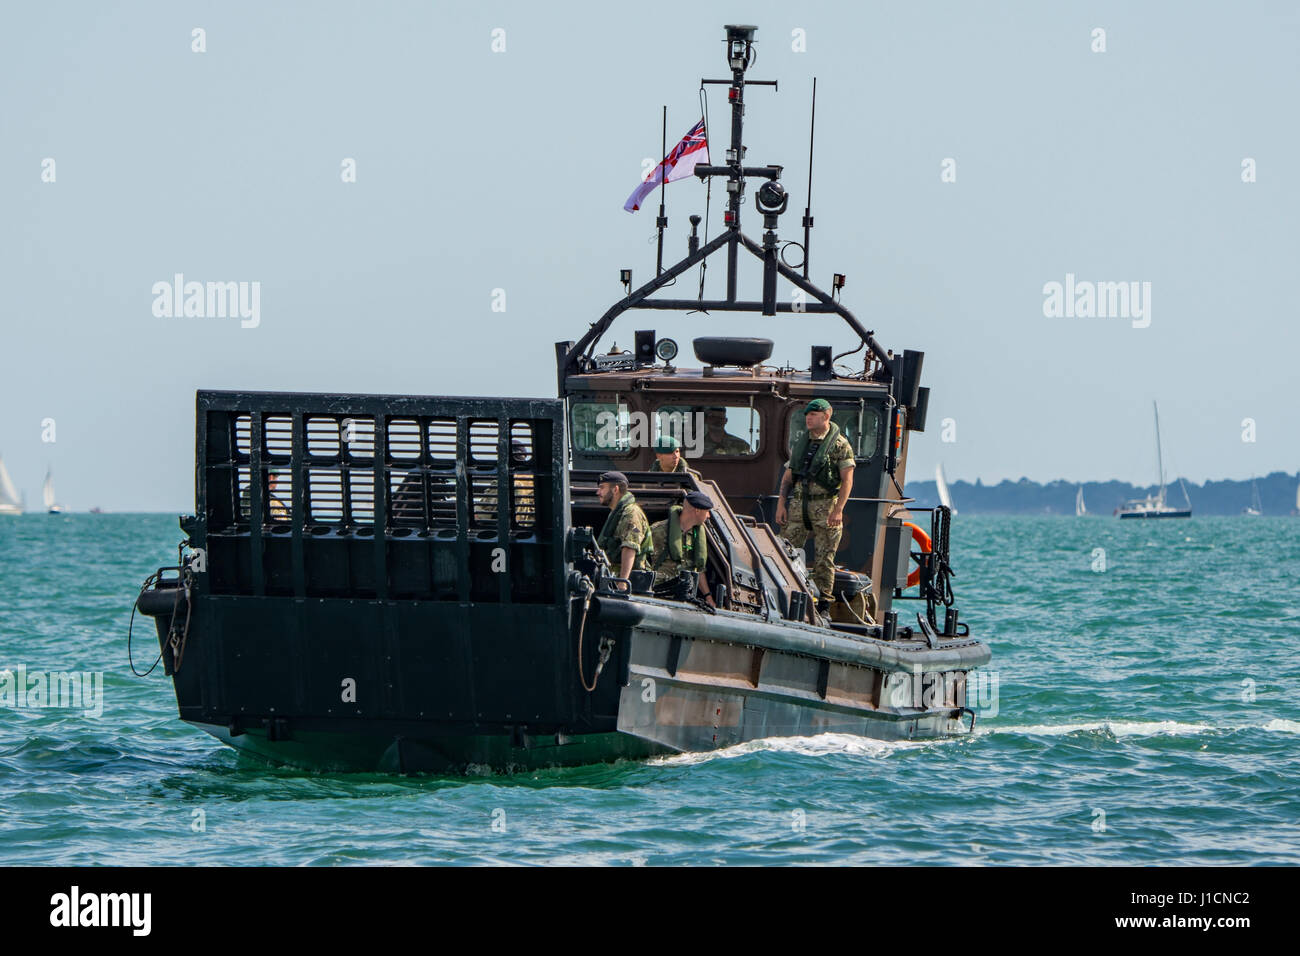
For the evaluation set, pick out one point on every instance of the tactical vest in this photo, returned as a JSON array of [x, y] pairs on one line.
[[820, 469], [699, 543]]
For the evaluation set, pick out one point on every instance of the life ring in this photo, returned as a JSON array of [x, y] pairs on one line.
[[923, 539]]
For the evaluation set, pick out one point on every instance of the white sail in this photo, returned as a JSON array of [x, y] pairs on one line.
[[1079, 508], [945, 496], [1157, 505], [47, 491], [1160, 457], [1256, 506], [9, 502]]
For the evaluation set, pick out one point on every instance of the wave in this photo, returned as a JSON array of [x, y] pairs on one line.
[[1140, 728], [819, 745], [822, 745], [1279, 725], [1116, 728]]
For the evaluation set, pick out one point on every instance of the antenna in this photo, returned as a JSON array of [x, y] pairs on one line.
[[771, 201], [807, 210], [708, 189], [662, 221]]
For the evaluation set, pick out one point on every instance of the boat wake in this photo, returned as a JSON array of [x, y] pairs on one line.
[[1114, 728], [1279, 725], [1137, 728], [822, 745], [819, 745]]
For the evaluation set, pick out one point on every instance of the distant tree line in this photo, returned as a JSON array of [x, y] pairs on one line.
[[1277, 494]]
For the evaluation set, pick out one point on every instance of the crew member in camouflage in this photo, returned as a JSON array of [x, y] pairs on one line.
[[625, 538], [820, 471], [679, 542], [668, 456], [525, 493], [271, 500], [719, 441]]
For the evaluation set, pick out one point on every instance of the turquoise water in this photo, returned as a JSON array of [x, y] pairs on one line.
[[1146, 713]]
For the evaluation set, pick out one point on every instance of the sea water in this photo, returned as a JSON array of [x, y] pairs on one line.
[[1142, 707]]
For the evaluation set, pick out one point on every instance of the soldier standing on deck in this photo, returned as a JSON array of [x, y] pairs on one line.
[[625, 538], [821, 471]]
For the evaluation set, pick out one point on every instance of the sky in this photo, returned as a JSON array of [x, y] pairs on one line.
[[480, 172]]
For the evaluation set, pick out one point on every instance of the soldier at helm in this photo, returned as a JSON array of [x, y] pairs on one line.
[[820, 470], [680, 544], [668, 456], [625, 538], [719, 441]]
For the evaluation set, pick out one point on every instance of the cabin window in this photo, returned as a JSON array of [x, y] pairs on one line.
[[860, 425], [602, 428], [711, 430]]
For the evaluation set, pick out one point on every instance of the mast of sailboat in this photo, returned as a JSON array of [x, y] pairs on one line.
[[941, 485], [1160, 461]]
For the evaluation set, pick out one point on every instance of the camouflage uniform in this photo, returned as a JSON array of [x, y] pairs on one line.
[[729, 444], [525, 503], [665, 568], [681, 469], [525, 500], [626, 527], [277, 508], [826, 540]]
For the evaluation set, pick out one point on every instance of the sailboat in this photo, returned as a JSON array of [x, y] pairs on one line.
[[945, 496], [1256, 507], [1079, 509], [47, 493], [10, 504], [1155, 506]]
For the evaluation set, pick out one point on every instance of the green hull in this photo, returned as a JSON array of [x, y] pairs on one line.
[[379, 753]]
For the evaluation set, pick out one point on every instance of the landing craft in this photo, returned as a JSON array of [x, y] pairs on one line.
[[412, 583]]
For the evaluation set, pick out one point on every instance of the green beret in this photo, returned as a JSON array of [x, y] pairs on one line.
[[817, 405], [666, 444]]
